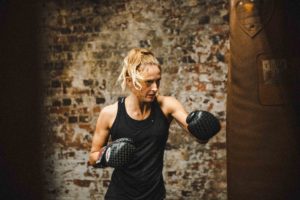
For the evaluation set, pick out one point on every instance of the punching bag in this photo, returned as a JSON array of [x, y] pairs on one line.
[[263, 134]]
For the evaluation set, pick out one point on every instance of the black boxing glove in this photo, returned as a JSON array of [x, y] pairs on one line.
[[203, 125], [117, 154]]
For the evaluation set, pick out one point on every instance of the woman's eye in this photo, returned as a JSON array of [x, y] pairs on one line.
[[149, 82]]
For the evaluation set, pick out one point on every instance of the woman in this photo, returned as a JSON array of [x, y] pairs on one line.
[[143, 116]]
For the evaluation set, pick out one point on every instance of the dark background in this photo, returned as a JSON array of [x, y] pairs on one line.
[[20, 167]]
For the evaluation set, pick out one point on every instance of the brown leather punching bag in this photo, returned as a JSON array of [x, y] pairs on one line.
[[263, 134]]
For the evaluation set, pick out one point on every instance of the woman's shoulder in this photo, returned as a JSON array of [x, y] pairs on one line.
[[165, 99], [108, 114], [110, 110], [167, 103]]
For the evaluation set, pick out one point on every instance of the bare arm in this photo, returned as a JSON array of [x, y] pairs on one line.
[[174, 108], [101, 135], [171, 106]]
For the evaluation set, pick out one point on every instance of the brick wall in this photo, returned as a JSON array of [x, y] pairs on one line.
[[83, 43]]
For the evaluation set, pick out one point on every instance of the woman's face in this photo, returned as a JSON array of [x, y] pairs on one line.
[[150, 83]]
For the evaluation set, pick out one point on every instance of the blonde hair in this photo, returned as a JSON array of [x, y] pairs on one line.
[[134, 59]]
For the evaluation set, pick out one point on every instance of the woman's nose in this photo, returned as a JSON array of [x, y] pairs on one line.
[[154, 86]]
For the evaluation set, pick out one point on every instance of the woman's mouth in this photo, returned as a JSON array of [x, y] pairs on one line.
[[151, 95]]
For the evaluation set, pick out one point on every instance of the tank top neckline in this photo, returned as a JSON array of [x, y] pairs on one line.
[[144, 123]]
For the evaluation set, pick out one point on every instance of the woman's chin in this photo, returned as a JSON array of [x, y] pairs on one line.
[[150, 98]]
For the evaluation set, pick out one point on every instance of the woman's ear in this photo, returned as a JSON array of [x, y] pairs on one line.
[[128, 81]]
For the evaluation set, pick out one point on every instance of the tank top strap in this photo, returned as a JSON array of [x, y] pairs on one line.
[[120, 112], [121, 99], [159, 111], [121, 105]]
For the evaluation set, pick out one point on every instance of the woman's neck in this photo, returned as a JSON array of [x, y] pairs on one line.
[[136, 108]]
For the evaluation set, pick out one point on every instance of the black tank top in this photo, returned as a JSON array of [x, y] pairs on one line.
[[142, 179]]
